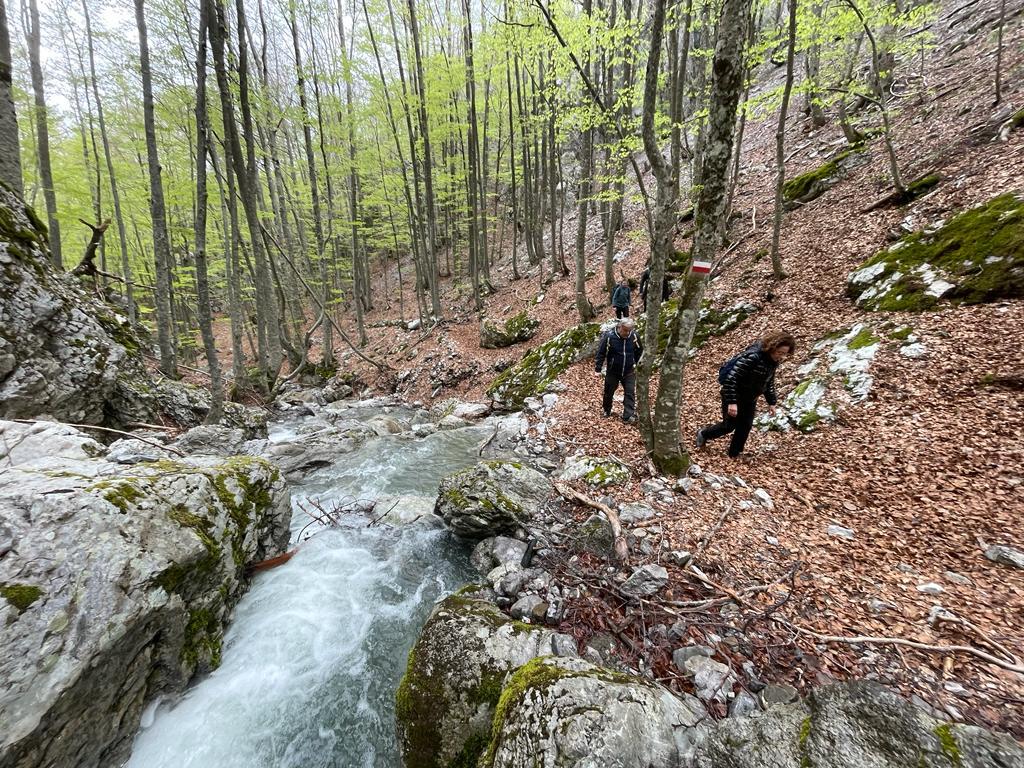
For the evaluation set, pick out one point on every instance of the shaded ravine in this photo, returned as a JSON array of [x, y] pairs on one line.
[[317, 647]]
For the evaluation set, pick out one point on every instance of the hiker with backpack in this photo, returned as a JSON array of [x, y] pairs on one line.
[[743, 379], [621, 350], [621, 297]]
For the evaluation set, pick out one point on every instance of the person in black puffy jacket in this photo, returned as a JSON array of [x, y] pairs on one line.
[[752, 375], [620, 349]]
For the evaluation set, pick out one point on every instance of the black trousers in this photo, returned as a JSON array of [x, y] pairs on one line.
[[621, 312], [612, 379], [739, 425]]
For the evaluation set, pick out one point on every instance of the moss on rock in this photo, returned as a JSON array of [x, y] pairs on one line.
[[541, 366], [814, 183], [976, 257], [20, 596]]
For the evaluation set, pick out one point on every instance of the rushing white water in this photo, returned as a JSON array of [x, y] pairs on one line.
[[317, 646]]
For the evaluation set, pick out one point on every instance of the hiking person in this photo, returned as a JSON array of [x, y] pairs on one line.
[[620, 349], [743, 379], [621, 297], [645, 285]]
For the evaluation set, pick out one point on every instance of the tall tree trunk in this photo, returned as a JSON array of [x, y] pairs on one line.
[[158, 213], [428, 174], [727, 67], [999, 53], [34, 38], [780, 145], [586, 158], [472, 155], [203, 310], [10, 152], [115, 195]]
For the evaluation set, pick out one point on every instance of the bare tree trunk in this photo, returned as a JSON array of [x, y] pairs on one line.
[[203, 310], [34, 38], [999, 53], [668, 453], [586, 157], [780, 145], [10, 152], [158, 213]]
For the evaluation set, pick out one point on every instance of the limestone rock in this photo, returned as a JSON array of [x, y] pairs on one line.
[[635, 513], [456, 671], [212, 440], [1005, 556], [123, 579], [568, 712], [596, 471], [646, 580], [853, 725], [495, 551], [516, 329], [490, 498], [712, 679]]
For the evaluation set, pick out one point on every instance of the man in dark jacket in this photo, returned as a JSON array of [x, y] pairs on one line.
[[621, 350], [621, 297], [752, 375], [645, 285]]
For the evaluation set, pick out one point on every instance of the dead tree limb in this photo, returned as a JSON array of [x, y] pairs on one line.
[[86, 267], [620, 546]]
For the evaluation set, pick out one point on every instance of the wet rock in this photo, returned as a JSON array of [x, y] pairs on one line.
[[567, 712], [495, 551], [491, 498], [646, 580], [126, 576], [456, 671], [853, 725]]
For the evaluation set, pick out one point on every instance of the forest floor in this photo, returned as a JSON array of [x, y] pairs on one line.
[[926, 469]]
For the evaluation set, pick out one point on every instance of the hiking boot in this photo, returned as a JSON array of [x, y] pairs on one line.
[[606, 414], [629, 420], [701, 440]]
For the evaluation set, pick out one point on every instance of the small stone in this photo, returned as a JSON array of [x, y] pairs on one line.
[[681, 655], [695, 470], [931, 588], [646, 580], [683, 485], [679, 557], [958, 578], [841, 532], [1004, 555], [772, 540], [880, 606], [743, 705], [563, 645], [527, 607], [914, 351], [778, 694], [762, 497], [633, 513], [712, 680]]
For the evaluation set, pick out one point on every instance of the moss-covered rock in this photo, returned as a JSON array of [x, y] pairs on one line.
[[816, 182], [568, 712], [853, 724], [541, 366], [518, 328], [596, 471], [490, 498], [120, 585], [718, 322], [975, 257], [454, 678]]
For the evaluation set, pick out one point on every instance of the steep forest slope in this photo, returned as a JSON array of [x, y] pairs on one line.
[[883, 499]]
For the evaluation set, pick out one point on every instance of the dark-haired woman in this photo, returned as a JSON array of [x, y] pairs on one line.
[[750, 375]]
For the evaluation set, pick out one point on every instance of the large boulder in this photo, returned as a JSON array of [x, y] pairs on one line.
[[568, 712], [542, 365], [116, 582], [455, 675], [853, 725], [67, 355], [516, 329], [491, 497]]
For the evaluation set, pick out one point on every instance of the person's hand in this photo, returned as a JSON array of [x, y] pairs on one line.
[[733, 410]]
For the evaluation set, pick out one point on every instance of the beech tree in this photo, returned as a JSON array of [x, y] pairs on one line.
[[10, 150]]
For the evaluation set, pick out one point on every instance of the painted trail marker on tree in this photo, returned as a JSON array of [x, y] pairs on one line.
[[701, 267]]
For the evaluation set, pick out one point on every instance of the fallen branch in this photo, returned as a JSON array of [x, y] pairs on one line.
[[900, 641], [273, 562], [620, 546], [155, 444]]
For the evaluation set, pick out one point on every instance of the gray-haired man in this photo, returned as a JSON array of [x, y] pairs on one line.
[[621, 349]]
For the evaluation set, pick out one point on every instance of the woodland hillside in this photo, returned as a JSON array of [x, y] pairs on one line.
[[363, 195]]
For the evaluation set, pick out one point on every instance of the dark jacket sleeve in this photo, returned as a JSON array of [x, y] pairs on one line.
[[743, 367], [769, 390], [602, 348]]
